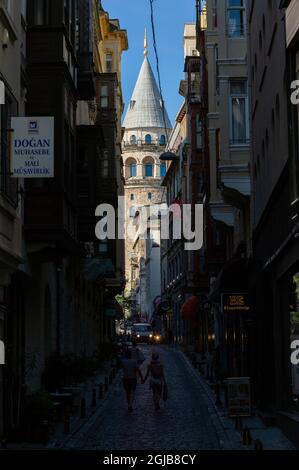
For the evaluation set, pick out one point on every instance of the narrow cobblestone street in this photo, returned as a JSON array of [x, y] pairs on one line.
[[186, 421]]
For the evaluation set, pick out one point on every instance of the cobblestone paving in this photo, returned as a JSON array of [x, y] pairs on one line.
[[186, 421]]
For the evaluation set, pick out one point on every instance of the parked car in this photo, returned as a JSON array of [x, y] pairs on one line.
[[142, 333]]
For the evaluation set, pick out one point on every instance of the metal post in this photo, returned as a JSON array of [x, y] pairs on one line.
[[67, 424], [94, 398], [101, 391], [83, 408], [106, 384]]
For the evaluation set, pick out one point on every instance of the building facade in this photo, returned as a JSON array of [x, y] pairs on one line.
[[57, 281], [12, 76], [274, 162], [229, 177]]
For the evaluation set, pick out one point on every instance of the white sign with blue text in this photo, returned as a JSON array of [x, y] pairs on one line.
[[32, 147]]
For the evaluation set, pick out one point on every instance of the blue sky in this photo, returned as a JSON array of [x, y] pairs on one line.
[[134, 15]]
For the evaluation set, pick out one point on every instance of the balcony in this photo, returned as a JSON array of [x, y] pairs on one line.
[[156, 143]]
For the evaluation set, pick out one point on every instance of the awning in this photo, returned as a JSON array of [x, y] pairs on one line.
[[190, 308]]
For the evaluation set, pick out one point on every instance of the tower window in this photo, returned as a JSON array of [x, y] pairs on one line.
[[133, 140], [132, 197], [162, 140], [163, 170], [133, 170], [148, 170], [149, 196], [148, 139]]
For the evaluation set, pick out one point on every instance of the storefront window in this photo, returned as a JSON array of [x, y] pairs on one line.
[[294, 329]]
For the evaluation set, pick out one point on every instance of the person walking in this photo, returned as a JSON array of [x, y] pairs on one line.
[[137, 355], [157, 379], [130, 373]]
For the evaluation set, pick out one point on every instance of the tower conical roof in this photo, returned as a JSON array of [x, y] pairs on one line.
[[145, 108]]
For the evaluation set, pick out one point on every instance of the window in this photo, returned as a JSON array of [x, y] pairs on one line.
[[163, 170], [133, 170], [239, 112], [109, 63], [149, 196], [105, 164], [41, 12], [148, 139], [199, 132], [216, 57], [132, 197], [148, 169], [104, 100], [215, 14], [162, 140], [8, 185], [236, 17], [7, 5], [133, 140]]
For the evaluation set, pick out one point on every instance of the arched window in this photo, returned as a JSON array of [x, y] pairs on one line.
[[133, 140], [130, 167], [133, 170], [163, 169], [148, 169], [148, 139], [162, 140]]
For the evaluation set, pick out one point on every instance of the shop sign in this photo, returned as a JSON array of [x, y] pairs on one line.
[[235, 303], [239, 400], [32, 147]]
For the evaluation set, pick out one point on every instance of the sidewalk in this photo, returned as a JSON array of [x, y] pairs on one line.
[[60, 438], [271, 437]]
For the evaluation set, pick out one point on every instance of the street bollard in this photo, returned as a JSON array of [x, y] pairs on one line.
[[217, 392], [258, 445], [101, 391], [83, 408], [106, 384], [246, 437], [239, 424], [67, 424], [226, 395], [94, 398]]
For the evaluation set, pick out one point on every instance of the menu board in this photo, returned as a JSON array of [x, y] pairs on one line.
[[239, 402]]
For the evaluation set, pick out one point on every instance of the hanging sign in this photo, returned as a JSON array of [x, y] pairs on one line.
[[32, 147]]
